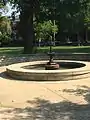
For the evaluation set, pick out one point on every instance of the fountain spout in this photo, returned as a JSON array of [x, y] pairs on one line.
[[51, 65]]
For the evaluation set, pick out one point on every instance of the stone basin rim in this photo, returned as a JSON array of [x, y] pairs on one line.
[[18, 67]]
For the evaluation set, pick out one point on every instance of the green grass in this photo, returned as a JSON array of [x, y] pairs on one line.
[[64, 49], [11, 50]]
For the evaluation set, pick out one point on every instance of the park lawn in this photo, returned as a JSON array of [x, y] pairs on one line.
[[66, 49], [58, 49], [11, 50]]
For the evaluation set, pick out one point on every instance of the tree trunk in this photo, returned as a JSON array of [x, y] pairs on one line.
[[78, 39], [27, 31], [29, 36], [86, 35]]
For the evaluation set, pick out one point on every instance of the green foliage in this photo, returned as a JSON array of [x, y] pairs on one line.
[[69, 14], [1, 5], [87, 22], [45, 29], [5, 25], [5, 38], [5, 29], [72, 16]]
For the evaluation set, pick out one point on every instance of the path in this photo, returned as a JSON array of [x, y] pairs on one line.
[[25, 100]]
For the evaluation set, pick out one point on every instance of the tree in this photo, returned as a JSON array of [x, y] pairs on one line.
[[26, 29], [45, 30], [5, 29], [27, 8], [87, 21], [70, 15]]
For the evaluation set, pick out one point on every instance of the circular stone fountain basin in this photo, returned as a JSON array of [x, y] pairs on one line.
[[35, 71]]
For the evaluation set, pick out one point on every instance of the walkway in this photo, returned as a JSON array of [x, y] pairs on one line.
[[26, 100]]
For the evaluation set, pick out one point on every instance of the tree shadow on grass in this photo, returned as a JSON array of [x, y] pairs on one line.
[[45, 110]]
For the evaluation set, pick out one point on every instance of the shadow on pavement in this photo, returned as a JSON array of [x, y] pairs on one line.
[[80, 91], [45, 110]]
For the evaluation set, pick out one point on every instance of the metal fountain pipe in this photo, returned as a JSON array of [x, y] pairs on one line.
[[50, 44]]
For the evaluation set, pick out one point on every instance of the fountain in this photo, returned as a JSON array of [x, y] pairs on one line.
[[35, 71], [51, 65], [49, 70]]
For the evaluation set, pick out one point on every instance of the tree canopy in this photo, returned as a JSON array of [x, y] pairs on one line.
[[71, 16]]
